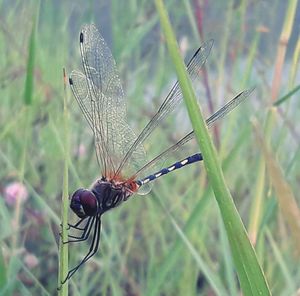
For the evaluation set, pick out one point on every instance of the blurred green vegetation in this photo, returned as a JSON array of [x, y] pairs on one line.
[[172, 241]]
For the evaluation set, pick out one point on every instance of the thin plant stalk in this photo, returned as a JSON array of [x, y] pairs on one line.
[[295, 65], [63, 248]]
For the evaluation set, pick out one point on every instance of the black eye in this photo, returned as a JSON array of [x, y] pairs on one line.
[[84, 203]]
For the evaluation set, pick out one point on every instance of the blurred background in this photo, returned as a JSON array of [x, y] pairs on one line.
[[171, 241]]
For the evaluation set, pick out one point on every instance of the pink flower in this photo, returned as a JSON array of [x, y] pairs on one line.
[[81, 150], [31, 261], [15, 191]]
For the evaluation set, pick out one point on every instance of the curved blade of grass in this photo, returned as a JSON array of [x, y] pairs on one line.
[[288, 276], [37, 283], [211, 278], [167, 265], [287, 96], [295, 65], [250, 274], [284, 193], [228, 262]]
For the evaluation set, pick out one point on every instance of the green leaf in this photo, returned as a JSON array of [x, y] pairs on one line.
[[287, 96], [3, 278], [30, 68]]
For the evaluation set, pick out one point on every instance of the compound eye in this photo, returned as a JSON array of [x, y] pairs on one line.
[[84, 203]]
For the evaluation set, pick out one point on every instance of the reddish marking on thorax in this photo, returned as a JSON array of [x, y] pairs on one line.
[[132, 185], [119, 179]]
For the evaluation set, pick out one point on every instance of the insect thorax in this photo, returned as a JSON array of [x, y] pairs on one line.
[[109, 194]]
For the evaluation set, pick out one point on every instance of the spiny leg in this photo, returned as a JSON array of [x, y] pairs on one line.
[[86, 232], [71, 272], [88, 256], [84, 229], [75, 226], [92, 250]]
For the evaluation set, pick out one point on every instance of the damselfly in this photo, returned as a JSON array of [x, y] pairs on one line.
[[120, 153]]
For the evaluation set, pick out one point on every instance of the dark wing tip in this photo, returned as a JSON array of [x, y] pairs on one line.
[[205, 48], [81, 37], [70, 81]]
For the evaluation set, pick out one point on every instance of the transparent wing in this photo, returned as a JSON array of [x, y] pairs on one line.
[[100, 96], [222, 112], [122, 132], [78, 84], [172, 100]]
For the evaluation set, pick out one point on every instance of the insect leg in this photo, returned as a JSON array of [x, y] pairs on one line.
[[86, 232], [75, 226], [92, 251]]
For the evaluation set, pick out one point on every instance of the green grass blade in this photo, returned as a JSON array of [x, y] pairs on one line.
[[295, 65], [287, 96], [285, 196], [30, 68], [3, 278], [228, 262], [211, 277], [291, 287], [250, 274], [166, 266]]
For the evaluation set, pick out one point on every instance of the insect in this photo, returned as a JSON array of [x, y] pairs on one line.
[[119, 151]]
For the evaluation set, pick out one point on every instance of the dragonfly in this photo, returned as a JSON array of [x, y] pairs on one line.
[[120, 153]]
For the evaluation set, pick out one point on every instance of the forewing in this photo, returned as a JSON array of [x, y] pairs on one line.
[[100, 96], [172, 100]]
